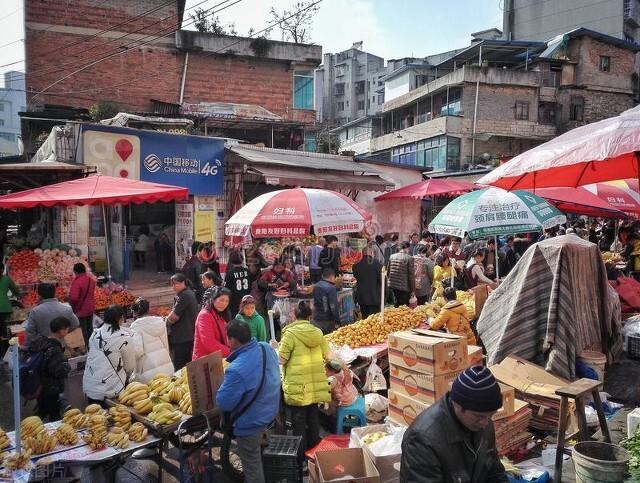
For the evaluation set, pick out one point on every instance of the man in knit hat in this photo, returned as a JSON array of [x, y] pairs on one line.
[[454, 439]]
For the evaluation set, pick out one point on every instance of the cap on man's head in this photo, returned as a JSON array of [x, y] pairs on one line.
[[477, 390]]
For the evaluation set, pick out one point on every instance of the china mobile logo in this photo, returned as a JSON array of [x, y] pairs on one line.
[[152, 163]]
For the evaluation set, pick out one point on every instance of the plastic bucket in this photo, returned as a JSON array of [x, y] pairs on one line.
[[596, 462], [595, 360]]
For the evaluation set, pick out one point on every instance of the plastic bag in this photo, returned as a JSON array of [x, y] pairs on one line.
[[375, 378], [389, 445], [376, 407], [413, 302]]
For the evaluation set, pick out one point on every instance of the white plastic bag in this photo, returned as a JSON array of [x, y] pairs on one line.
[[413, 302], [375, 379], [376, 407], [389, 445]]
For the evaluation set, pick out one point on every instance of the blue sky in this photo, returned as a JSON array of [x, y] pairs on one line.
[[388, 28]]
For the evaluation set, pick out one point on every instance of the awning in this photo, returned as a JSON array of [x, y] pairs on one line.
[[579, 201], [321, 179], [427, 189], [93, 190]]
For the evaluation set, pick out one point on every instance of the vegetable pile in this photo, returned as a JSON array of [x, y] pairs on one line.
[[33, 266], [632, 445]]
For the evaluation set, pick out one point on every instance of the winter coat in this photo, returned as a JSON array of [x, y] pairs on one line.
[[304, 349], [423, 268], [256, 324], [7, 285], [42, 314], [368, 273], [81, 295], [152, 348], [325, 302], [330, 258], [55, 368], [454, 318], [438, 449], [241, 379], [210, 335], [111, 362], [402, 272], [442, 275]]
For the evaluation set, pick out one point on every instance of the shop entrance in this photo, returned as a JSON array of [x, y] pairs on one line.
[[145, 225]]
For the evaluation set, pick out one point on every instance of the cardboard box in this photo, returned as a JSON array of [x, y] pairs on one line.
[[475, 355], [350, 465], [205, 377], [508, 402], [389, 465], [313, 471], [428, 352], [422, 387], [74, 343], [404, 409]]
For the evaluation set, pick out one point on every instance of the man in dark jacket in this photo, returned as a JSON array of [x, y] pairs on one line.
[[54, 369], [194, 268], [325, 302], [368, 273], [402, 275], [181, 321], [454, 439], [330, 255]]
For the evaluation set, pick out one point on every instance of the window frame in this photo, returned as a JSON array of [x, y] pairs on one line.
[[308, 74], [521, 110], [574, 103], [604, 63]]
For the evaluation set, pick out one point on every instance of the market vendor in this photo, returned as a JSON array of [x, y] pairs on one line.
[[275, 279], [181, 321], [330, 255], [454, 318], [326, 311], [368, 274], [454, 440]]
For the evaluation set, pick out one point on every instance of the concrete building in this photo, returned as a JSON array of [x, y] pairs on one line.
[[12, 101], [252, 89], [499, 98], [544, 19], [347, 85]]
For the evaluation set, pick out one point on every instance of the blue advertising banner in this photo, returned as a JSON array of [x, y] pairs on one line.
[[192, 162]]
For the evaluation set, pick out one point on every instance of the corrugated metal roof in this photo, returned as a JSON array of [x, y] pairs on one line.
[[299, 159]]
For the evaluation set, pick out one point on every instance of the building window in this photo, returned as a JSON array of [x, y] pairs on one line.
[[347, 103], [360, 105], [576, 108], [340, 106], [8, 136], [1, 107], [380, 99], [303, 89], [547, 113], [605, 63], [1, 122], [522, 111]]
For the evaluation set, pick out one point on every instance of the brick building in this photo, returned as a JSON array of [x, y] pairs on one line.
[[499, 98], [132, 52]]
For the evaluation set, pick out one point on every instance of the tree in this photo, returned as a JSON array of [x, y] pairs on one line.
[[295, 24], [104, 110], [213, 25], [327, 142]]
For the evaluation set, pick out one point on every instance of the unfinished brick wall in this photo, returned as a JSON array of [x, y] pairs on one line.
[[587, 53]]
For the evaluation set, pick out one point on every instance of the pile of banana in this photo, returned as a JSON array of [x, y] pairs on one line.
[[137, 432], [17, 461], [144, 406], [75, 418], [95, 439], [4, 440], [31, 427], [66, 435], [118, 438], [159, 384], [135, 391], [92, 409], [41, 443], [164, 413], [120, 416], [185, 404]]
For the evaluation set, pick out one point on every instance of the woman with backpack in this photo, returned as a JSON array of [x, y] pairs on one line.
[[151, 343], [111, 360]]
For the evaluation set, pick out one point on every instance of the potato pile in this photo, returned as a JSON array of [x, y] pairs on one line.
[[370, 331]]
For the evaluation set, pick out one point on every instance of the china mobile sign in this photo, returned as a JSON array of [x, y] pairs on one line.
[[193, 162]]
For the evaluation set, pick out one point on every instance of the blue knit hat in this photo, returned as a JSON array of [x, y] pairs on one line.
[[476, 389]]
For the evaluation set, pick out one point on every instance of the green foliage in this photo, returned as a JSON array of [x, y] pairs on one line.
[[104, 110], [295, 23]]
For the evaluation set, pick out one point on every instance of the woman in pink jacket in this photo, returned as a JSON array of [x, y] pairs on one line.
[[211, 324], [82, 299]]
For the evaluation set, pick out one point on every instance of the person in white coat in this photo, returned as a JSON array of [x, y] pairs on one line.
[[111, 361], [150, 341]]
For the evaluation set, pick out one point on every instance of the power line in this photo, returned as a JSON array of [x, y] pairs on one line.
[[11, 13], [11, 43]]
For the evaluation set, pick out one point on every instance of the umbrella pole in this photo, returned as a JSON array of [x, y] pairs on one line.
[[615, 237], [497, 267], [384, 276], [106, 242]]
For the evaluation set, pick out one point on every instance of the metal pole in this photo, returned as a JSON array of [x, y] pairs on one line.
[[184, 76], [15, 370], [383, 284], [497, 267], [106, 241], [272, 135]]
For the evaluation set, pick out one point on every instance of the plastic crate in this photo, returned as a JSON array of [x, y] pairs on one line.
[[333, 441], [282, 459], [633, 346]]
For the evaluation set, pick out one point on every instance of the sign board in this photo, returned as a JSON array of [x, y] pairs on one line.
[[205, 203], [204, 226], [194, 162], [184, 233], [205, 377], [98, 253]]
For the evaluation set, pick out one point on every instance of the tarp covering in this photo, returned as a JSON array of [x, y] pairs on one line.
[[93, 190], [427, 189], [554, 304]]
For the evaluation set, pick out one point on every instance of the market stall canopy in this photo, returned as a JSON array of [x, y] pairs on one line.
[[555, 303], [293, 212], [579, 201], [427, 189], [94, 190], [622, 194], [494, 211], [593, 153]]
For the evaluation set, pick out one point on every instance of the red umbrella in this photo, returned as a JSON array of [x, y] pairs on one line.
[[621, 194], [107, 190], [579, 201], [597, 152], [427, 189]]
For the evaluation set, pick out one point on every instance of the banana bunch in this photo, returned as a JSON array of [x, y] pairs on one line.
[[135, 391], [66, 435], [164, 413], [92, 409], [4, 440], [143, 406], [181, 376], [17, 461], [120, 416], [41, 443], [98, 422], [160, 384], [75, 419], [173, 393], [185, 404], [31, 427], [118, 438], [95, 439], [137, 432]]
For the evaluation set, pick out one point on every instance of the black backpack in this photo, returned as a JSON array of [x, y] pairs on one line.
[[31, 365]]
